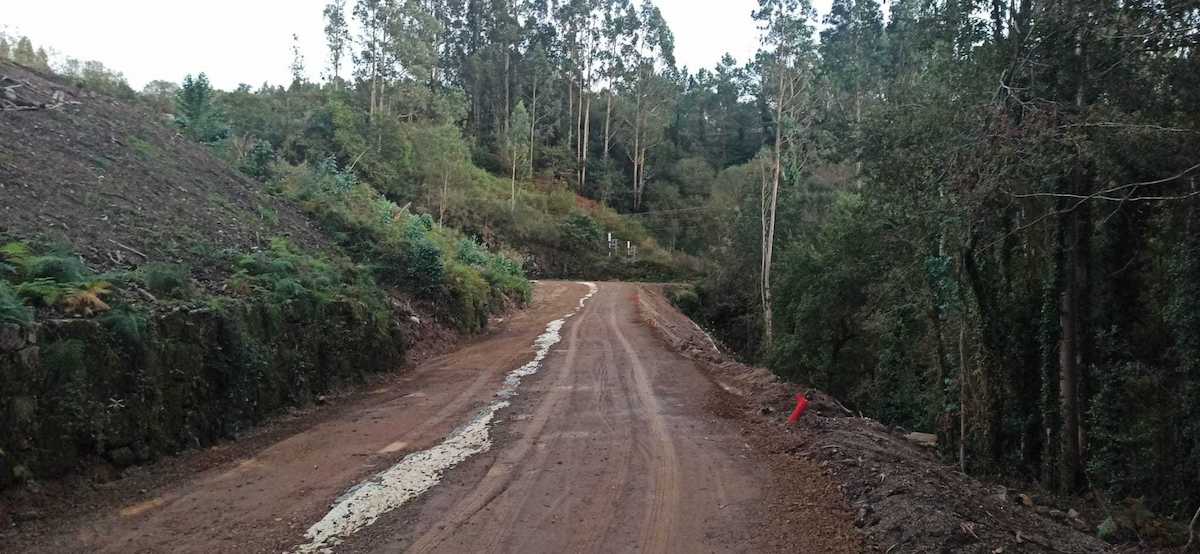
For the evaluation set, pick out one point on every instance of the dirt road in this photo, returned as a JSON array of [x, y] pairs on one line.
[[608, 443]]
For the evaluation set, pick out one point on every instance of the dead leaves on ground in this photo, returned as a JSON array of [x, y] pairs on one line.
[[87, 301]]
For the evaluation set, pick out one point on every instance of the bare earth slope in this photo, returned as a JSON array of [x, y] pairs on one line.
[[111, 179], [617, 444]]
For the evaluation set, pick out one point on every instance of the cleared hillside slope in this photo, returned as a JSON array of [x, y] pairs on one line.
[[117, 182], [152, 299]]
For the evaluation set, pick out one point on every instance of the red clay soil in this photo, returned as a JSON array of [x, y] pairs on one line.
[[122, 186], [259, 493], [900, 497], [618, 444]]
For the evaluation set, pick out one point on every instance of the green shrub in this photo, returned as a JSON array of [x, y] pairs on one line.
[[507, 277], [286, 276], [258, 161], [13, 257], [127, 324], [471, 293], [685, 298], [266, 214], [12, 308], [471, 253], [57, 267], [423, 264], [580, 232], [170, 280]]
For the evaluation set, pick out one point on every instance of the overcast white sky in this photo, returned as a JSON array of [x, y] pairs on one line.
[[249, 41]]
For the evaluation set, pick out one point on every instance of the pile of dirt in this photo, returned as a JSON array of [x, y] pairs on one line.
[[121, 185], [901, 498]]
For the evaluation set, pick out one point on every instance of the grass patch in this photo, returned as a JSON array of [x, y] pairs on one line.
[[166, 280], [143, 149]]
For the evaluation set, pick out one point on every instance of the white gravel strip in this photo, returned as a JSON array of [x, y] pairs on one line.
[[420, 471]]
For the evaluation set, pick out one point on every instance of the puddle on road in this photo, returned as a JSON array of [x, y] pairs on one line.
[[420, 471]]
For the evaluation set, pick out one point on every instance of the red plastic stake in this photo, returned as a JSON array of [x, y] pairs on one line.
[[801, 406]]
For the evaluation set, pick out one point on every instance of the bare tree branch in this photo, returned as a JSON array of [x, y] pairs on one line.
[[1139, 126], [1192, 531], [1105, 194], [1099, 196]]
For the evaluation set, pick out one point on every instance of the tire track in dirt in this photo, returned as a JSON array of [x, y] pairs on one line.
[[608, 399], [598, 500], [501, 474], [499, 529], [658, 524], [610, 448]]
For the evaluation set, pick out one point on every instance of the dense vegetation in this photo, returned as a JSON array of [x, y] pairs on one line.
[[972, 216], [985, 226]]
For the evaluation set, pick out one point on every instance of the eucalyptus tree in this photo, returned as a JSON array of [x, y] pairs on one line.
[[786, 63], [647, 88], [337, 37], [372, 61], [517, 147]]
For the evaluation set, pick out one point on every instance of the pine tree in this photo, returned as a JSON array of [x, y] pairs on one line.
[[24, 54], [197, 113]]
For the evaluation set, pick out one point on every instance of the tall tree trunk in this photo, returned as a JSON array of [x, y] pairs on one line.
[[637, 149], [587, 136], [442, 208], [607, 142], [533, 125], [570, 110], [963, 375], [507, 93], [1070, 352], [769, 210], [607, 125], [937, 323], [1049, 335], [1067, 356], [579, 126], [374, 85]]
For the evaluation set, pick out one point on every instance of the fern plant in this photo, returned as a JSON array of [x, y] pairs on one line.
[[12, 308], [43, 291]]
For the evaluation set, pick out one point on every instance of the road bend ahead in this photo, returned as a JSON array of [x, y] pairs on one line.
[[607, 445]]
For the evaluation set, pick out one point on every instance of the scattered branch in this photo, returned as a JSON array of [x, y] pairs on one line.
[[355, 162], [1099, 196], [10, 107], [129, 248], [1192, 531], [1137, 126]]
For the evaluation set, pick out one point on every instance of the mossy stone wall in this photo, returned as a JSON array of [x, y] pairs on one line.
[[79, 391]]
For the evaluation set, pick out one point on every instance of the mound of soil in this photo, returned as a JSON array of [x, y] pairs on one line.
[[901, 497], [121, 185]]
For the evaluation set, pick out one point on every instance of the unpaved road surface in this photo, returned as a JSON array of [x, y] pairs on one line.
[[611, 443]]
